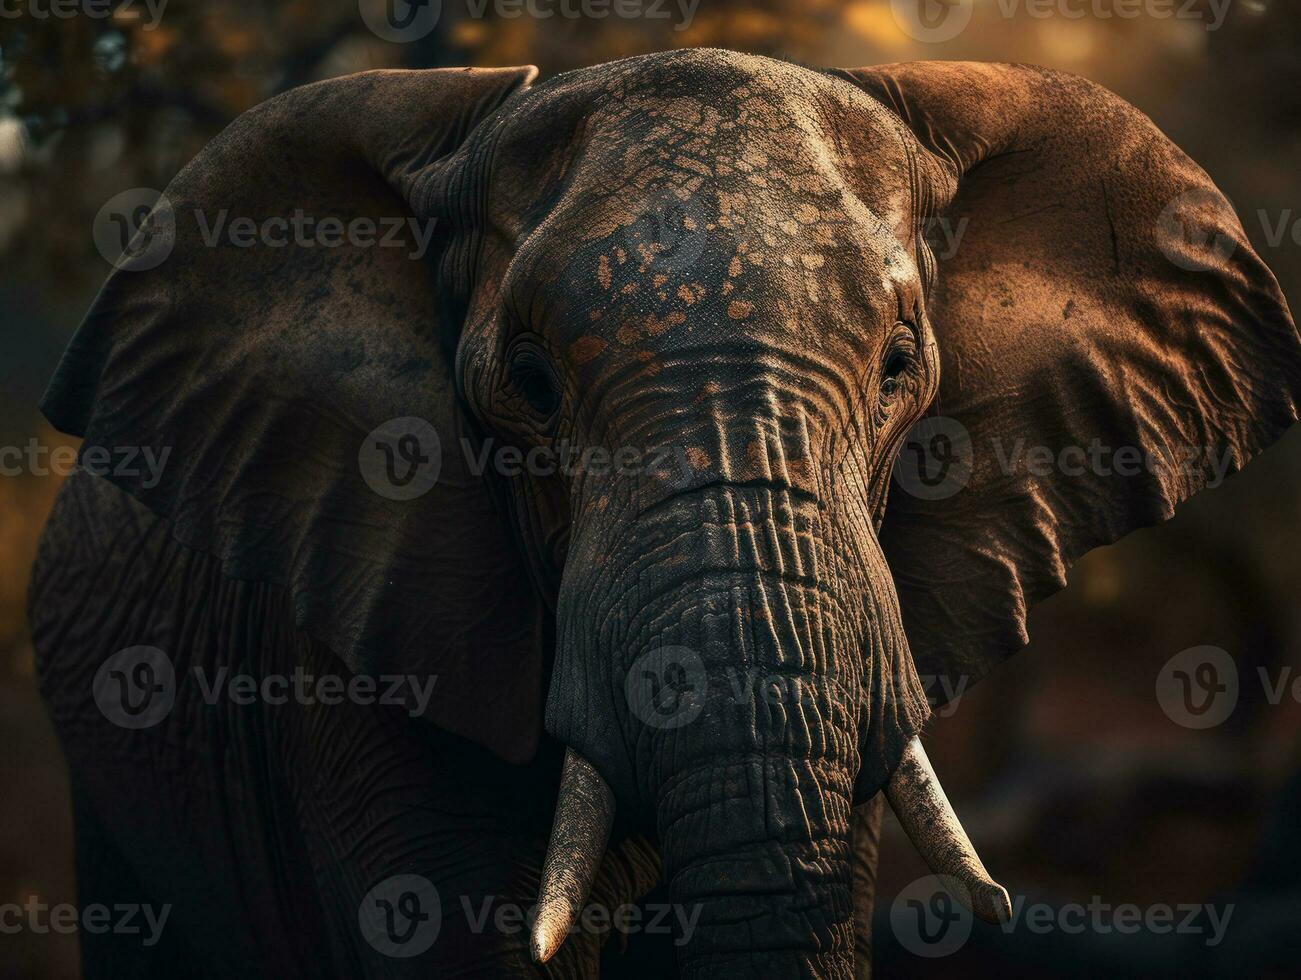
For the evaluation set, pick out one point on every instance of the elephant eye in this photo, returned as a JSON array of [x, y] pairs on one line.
[[534, 377], [902, 353]]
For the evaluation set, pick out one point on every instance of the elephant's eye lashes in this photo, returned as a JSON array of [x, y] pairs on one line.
[[532, 375], [896, 364], [902, 352]]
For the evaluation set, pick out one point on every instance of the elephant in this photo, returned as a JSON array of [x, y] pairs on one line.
[[685, 668]]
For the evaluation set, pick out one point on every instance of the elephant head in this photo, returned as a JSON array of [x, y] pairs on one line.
[[613, 456]]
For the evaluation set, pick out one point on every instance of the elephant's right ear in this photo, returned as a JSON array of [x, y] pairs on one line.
[[1109, 345], [268, 372]]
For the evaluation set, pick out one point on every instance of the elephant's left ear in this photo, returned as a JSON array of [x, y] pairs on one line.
[[1109, 345], [267, 370]]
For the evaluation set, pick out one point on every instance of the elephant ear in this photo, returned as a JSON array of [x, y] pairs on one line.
[[1109, 345], [272, 337]]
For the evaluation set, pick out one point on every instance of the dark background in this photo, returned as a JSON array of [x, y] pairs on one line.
[[1069, 776]]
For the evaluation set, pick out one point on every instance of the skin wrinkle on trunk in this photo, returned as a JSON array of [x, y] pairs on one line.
[[748, 583], [753, 797]]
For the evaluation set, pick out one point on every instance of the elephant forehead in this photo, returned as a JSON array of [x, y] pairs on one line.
[[724, 135], [710, 204], [715, 264]]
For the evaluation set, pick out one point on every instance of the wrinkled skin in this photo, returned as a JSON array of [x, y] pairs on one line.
[[708, 253], [781, 346]]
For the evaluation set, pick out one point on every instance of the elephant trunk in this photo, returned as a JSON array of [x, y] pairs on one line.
[[746, 685], [753, 795], [735, 668], [757, 852]]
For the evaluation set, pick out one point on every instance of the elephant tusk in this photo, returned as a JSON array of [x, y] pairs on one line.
[[918, 800], [584, 813]]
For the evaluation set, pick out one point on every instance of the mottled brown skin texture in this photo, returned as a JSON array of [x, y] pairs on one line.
[[782, 336]]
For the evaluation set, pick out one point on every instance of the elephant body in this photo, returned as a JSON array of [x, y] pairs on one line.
[[263, 825], [703, 662]]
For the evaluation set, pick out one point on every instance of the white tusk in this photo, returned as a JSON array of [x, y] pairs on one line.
[[584, 813], [927, 817]]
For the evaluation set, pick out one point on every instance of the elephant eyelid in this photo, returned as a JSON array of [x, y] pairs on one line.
[[901, 350], [533, 376]]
